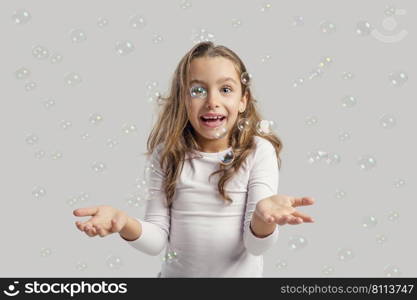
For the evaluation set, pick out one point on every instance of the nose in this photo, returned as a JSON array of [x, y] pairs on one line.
[[211, 101]]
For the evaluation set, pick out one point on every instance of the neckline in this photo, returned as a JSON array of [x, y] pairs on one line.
[[213, 154]]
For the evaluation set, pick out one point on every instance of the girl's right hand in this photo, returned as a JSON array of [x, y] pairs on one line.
[[104, 220]]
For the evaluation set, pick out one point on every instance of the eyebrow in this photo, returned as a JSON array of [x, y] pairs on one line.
[[223, 79]]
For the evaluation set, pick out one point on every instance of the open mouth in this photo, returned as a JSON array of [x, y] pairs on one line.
[[211, 122]]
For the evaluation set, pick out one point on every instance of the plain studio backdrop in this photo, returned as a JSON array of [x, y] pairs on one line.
[[78, 81]]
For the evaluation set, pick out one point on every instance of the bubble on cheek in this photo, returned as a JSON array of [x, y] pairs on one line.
[[220, 132], [227, 158]]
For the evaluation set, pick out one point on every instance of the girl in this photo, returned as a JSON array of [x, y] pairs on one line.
[[213, 226]]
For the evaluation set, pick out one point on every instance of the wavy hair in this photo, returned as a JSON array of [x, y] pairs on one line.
[[175, 132]]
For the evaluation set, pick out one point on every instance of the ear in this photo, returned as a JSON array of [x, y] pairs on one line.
[[243, 102]]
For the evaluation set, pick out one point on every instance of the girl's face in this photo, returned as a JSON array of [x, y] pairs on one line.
[[215, 88]]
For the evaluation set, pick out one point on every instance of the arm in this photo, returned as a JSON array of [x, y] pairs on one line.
[[259, 236], [151, 234]]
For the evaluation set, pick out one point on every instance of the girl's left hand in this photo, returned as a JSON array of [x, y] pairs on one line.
[[280, 209]]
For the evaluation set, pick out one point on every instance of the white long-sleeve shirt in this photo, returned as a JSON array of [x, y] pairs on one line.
[[210, 238]]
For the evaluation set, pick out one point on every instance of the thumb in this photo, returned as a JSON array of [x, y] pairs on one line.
[[115, 224], [85, 211]]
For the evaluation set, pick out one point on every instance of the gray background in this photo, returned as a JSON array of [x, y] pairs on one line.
[[114, 86]]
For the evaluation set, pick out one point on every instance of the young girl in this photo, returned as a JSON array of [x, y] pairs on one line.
[[212, 226]]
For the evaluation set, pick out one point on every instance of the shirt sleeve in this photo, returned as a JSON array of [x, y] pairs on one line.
[[263, 183], [156, 223]]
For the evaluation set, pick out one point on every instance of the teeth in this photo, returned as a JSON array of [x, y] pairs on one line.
[[213, 118]]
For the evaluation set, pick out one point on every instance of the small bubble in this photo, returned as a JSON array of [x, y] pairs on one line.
[[366, 162], [311, 120], [73, 79], [297, 21], [22, 73], [102, 22], [227, 158], [45, 252], [56, 155], [317, 72], [399, 183], [393, 216], [344, 136], [298, 82], [39, 154], [21, 16], [398, 78], [185, 4], [265, 127], [220, 133], [156, 39], [111, 143], [297, 242], [369, 222], [81, 266], [390, 10], [124, 47], [95, 119], [392, 271], [345, 254], [129, 128], [380, 239], [201, 35], [363, 28], [171, 256], [244, 124], [332, 159], [98, 167], [347, 75], [78, 35], [327, 27], [135, 200], [85, 136], [246, 78], [387, 121], [56, 58], [137, 22], [281, 264], [348, 101], [114, 262], [265, 7], [327, 270], [38, 192], [265, 58], [236, 23], [30, 86], [340, 194], [65, 124], [48, 103], [31, 139], [325, 62]]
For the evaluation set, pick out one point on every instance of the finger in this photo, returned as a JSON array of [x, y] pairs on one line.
[[100, 231], [115, 225], [89, 231], [303, 216], [295, 220], [85, 211], [282, 220], [78, 224], [302, 201]]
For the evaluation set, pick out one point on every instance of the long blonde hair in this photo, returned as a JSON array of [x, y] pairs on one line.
[[175, 131]]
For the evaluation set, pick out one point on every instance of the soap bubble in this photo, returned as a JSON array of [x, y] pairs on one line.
[[236, 23], [265, 127], [73, 79], [81, 266], [344, 136], [45, 252], [98, 167], [340, 194], [348, 101], [380, 238], [78, 36], [345, 254], [30, 86], [311, 120], [22, 73], [363, 28], [327, 27], [398, 78], [95, 118], [366, 162], [201, 35], [297, 82], [399, 183], [137, 22], [114, 262], [40, 52], [281, 264], [124, 47], [246, 78], [387, 121], [185, 4], [369, 222], [38, 192], [31, 139], [393, 216], [102, 22], [129, 128], [220, 132], [56, 58], [327, 270], [392, 271], [21, 16], [198, 92], [227, 158], [297, 242], [243, 124]]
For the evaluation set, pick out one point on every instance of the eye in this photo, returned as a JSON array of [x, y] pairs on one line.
[[227, 88], [198, 92]]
